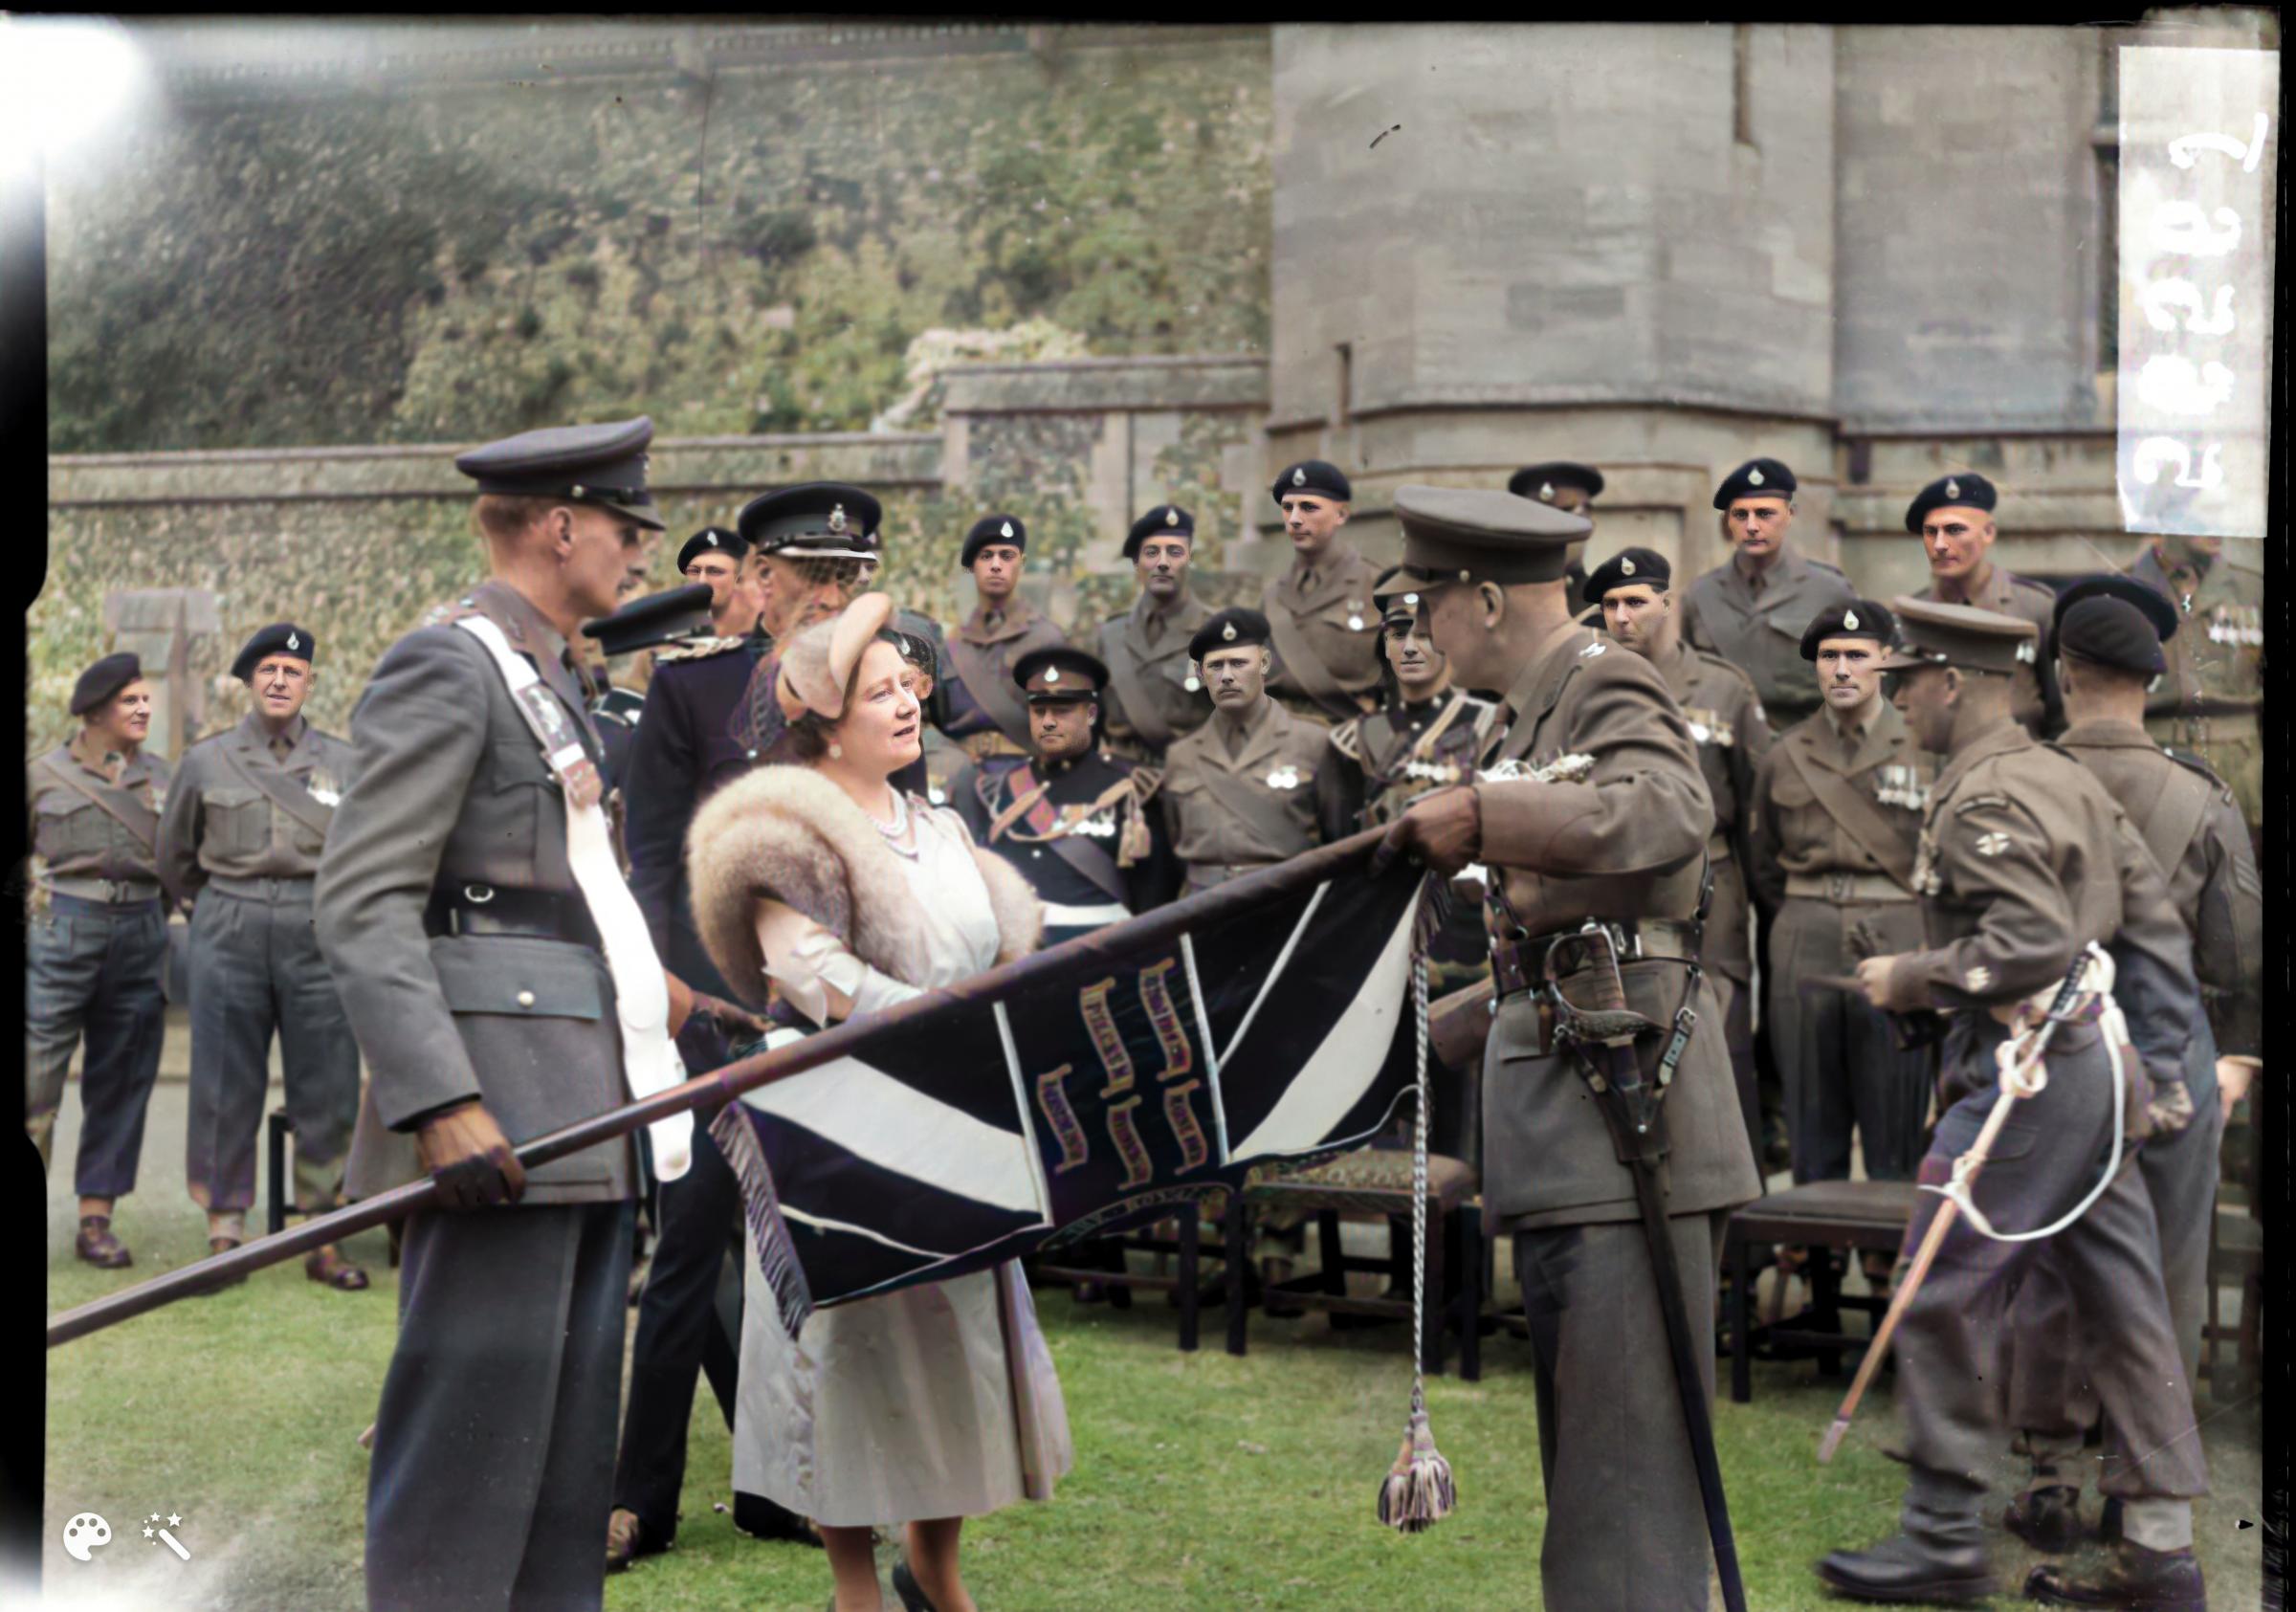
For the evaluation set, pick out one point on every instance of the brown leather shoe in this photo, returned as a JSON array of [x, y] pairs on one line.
[[224, 1246], [626, 1539], [2133, 1580], [96, 1244], [328, 1266]]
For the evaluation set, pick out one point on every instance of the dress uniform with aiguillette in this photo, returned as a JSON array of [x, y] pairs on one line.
[[1079, 828], [1752, 617], [1324, 622], [463, 919], [1383, 761], [668, 622], [1154, 695], [2000, 590], [984, 717], [1594, 809], [1241, 793], [96, 942], [245, 826], [2209, 699]]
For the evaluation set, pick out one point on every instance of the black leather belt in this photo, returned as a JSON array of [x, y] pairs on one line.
[[1518, 965], [485, 909]]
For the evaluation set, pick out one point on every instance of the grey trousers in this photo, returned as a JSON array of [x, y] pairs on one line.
[[1836, 1053], [494, 1457], [256, 968], [93, 971], [1950, 1341], [1626, 1528]]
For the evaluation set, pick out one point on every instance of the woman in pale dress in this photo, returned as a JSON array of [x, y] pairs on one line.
[[931, 1404]]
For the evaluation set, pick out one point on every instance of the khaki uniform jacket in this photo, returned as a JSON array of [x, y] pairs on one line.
[[982, 655], [1818, 812], [452, 790], [72, 837], [1260, 805], [2187, 820], [1731, 731], [1338, 624], [1760, 634], [1625, 843], [1156, 685], [218, 824], [2038, 705], [2217, 660]]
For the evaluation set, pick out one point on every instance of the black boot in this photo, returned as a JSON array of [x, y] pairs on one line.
[[1911, 1572], [2047, 1518], [2133, 1580]]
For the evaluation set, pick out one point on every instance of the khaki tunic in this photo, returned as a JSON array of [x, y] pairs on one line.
[[1728, 724], [1338, 624], [1760, 632], [76, 841], [1153, 695], [983, 657], [2209, 699], [2036, 701], [220, 823], [1229, 814]]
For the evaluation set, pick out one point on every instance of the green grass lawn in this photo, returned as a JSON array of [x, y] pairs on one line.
[[1201, 1481]]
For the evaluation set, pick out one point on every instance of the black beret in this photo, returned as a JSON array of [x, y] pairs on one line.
[[103, 680], [2150, 601], [1539, 481], [818, 519], [1755, 478], [1859, 618], [2110, 631], [1059, 673], [279, 638], [992, 529], [1236, 627], [1312, 476], [658, 618], [1165, 521], [1965, 489], [1628, 566], [602, 465], [1480, 534], [712, 539]]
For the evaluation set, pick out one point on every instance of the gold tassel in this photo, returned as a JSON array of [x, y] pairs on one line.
[[1418, 1492], [1132, 844]]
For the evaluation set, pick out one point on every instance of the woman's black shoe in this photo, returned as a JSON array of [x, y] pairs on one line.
[[905, 1586]]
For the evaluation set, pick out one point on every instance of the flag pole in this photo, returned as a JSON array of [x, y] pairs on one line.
[[760, 1068]]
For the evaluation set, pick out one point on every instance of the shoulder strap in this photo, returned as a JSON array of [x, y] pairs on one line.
[[995, 694], [2176, 817], [1859, 817], [1305, 664], [1124, 671], [146, 833], [282, 792]]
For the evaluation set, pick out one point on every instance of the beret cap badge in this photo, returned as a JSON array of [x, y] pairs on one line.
[[1849, 621], [1626, 566], [1952, 488], [1299, 476], [1228, 632], [1006, 530], [1546, 491], [293, 642], [1172, 517], [1754, 476]]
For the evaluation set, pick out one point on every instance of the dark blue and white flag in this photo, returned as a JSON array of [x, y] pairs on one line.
[[1097, 1098]]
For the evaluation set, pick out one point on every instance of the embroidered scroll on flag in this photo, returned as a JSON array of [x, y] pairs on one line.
[[1145, 1077]]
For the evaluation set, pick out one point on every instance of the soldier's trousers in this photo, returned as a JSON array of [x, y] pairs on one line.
[[1728, 957], [1625, 1526], [1841, 1063], [2051, 1403], [256, 968], [93, 971], [493, 1455], [1950, 1342]]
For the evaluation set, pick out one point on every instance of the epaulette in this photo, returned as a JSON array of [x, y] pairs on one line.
[[1709, 658], [1817, 564], [2031, 586], [2192, 763], [1348, 739], [696, 648]]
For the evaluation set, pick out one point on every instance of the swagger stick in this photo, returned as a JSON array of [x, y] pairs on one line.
[[1165, 923], [2018, 1082]]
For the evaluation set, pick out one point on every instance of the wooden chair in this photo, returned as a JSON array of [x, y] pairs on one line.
[[1832, 1214], [1179, 1238]]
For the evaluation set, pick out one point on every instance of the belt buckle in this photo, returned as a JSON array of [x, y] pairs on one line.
[[478, 895]]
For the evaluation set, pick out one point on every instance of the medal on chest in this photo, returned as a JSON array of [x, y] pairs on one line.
[[1354, 616], [1901, 786], [1432, 772], [1926, 879], [323, 786], [1080, 820], [1285, 778], [1708, 728], [1562, 769]]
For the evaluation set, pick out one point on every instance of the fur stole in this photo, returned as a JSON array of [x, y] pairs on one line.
[[789, 833]]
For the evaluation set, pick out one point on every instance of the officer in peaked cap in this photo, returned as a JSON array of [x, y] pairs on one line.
[[2025, 861], [676, 618], [816, 520], [1953, 516], [1326, 628], [600, 465], [1154, 695], [985, 715], [1751, 608], [1567, 486], [1592, 806]]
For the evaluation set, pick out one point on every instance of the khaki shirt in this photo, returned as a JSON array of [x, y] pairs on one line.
[[221, 821], [983, 657], [1760, 632], [2036, 700], [1728, 724], [1821, 809], [1154, 683], [2217, 660], [73, 836], [2193, 831], [1256, 807], [1338, 624]]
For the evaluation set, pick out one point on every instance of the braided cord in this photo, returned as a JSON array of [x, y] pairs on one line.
[[1419, 1186]]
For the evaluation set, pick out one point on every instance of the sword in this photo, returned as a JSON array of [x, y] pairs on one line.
[[1603, 1038]]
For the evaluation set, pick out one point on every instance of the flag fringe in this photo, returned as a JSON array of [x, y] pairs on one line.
[[736, 1137]]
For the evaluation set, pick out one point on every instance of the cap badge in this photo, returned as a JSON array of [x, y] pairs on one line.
[[1227, 634], [1299, 476], [1849, 621], [1626, 568], [1006, 530], [293, 643], [837, 519], [1754, 476], [1952, 488], [710, 537], [1992, 844], [1051, 675], [1546, 491], [1191, 682], [1172, 517], [1411, 601], [578, 490]]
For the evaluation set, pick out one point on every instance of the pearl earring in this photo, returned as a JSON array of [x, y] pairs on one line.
[[836, 751]]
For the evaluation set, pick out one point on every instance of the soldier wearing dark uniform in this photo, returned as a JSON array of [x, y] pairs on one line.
[[985, 715], [1154, 695], [244, 827], [1832, 823], [2109, 633], [1073, 819], [96, 940], [1426, 734], [1241, 792], [1953, 516], [2207, 701], [1593, 807], [473, 971], [1752, 609], [1573, 488], [1632, 589], [1326, 626], [669, 622], [2023, 861]]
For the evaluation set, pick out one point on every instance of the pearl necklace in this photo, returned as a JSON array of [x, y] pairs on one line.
[[898, 828]]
